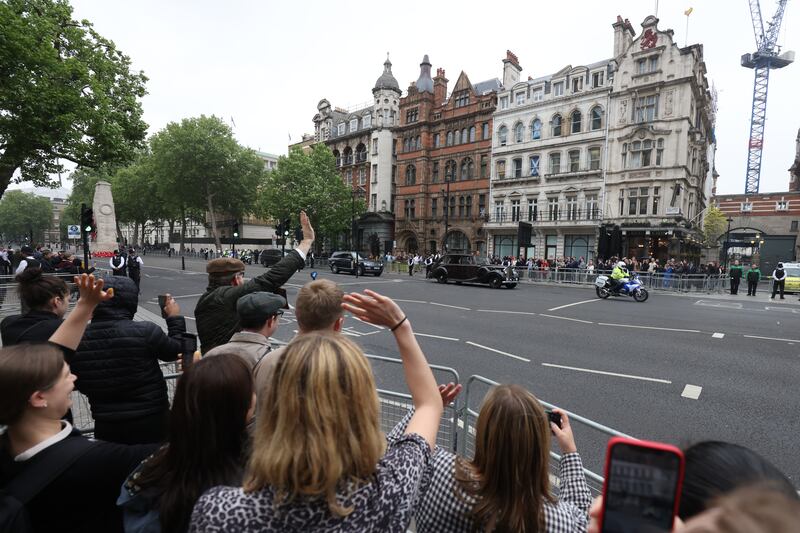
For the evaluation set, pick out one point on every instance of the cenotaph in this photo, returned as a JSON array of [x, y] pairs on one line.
[[105, 220]]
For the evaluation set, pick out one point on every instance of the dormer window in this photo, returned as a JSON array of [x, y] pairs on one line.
[[520, 98], [412, 115], [647, 65], [781, 205], [577, 84], [504, 102], [597, 79], [366, 121], [558, 89], [353, 125], [462, 99], [746, 206], [537, 95], [340, 128]]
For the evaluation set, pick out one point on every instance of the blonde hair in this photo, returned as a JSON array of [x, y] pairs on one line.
[[318, 305], [318, 426]]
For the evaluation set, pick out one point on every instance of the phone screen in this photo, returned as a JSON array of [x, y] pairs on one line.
[[641, 489]]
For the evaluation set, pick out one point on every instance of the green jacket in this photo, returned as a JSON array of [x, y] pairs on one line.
[[215, 312], [753, 274], [618, 273], [736, 271]]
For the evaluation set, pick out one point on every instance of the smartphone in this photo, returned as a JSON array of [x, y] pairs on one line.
[[189, 347], [162, 303], [555, 418], [642, 486]]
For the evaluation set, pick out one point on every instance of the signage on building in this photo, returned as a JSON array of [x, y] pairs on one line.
[[73, 231], [673, 211]]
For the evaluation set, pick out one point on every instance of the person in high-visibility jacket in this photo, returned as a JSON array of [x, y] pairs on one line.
[[619, 274]]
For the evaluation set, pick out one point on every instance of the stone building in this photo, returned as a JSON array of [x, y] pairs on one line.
[[443, 158], [362, 142]]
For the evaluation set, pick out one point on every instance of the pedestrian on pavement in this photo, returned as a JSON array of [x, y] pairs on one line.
[[135, 264], [428, 266], [753, 277], [411, 265], [117, 264], [778, 281], [216, 309], [736, 275]]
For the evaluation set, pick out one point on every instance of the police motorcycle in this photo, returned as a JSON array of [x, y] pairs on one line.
[[630, 286]]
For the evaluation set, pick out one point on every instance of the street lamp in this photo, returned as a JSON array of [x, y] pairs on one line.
[[357, 192], [727, 241]]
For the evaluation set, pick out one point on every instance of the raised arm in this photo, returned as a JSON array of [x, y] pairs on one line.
[[383, 311], [69, 333]]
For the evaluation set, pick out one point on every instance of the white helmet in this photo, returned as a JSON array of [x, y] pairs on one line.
[[621, 264]]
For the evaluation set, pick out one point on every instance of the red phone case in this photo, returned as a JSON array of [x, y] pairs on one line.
[[642, 444]]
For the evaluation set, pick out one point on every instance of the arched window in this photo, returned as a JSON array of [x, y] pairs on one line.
[[519, 132], [419, 143], [502, 135], [449, 138], [555, 126], [452, 206], [464, 138], [461, 204], [536, 129], [469, 206], [338, 158], [456, 137], [411, 175], [597, 118], [467, 169], [575, 121], [406, 144], [450, 171], [472, 134]]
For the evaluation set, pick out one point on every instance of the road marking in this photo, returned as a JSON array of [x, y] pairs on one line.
[[648, 327], [365, 283], [498, 351], [603, 372], [727, 305], [436, 336], [190, 318], [451, 306], [575, 303], [507, 312], [770, 338], [568, 318], [410, 301], [350, 333], [365, 322], [718, 335], [691, 391], [784, 309]]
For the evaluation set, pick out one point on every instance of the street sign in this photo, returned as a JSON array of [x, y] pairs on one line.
[[73, 231]]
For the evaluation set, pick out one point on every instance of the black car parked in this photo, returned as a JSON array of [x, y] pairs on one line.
[[471, 269], [347, 261], [270, 256]]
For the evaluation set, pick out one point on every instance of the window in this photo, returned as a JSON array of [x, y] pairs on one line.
[[534, 165], [637, 201], [558, 89], [591, 207], [574, 160], [575, 121], [452, 207], [515, 210], [572, 208], [594, 158], [409, 209], [504, 102], [464, 138], [555, 126], [551, 245], [484, 165], [597, 79], [353, 124], [501, 169], [362, 176], [536, 129], [552, 208], [624, 155], [435, 173], [499, 211], [485, 131], [462, 98], [596, 118], [516, 163], [577, 84], [434, 206], [412, 115], [793, 225], [520, 98], [621, 201], [469, 206], [374, 146], [656, 199], [348, 178], [781, 205], [482, 204], [467, 169], [462, 203], [406, 144], [456, 137], [690, 211], [640, 153], [472, 134], [449, 138], [647, 64], [374, 173], [537, 95], [366, 122], [340, 129], [373, 202], [532, 210], [659, 151], [436, 140], [746, 206], [411, 175], [502, 135], [645, 109], [450, 171], [519, 132], [555, 163]]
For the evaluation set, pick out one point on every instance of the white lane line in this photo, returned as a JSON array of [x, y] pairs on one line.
[[376, 326], [691, 391], [648, 327], [576, 303], [770, 338], [188, 296], [568, 318], [190, 318], [451, 306], [718, 335], [498, 351], [365, 283], [725, 305], [603, 372], [410, 301], [435, 336], [506, 312]]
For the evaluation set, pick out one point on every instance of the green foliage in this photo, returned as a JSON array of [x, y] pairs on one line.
[[24, 215], [83, 183], [309, 181], [66, 93], [714, 225]]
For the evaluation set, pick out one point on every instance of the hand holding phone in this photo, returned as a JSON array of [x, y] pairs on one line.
[[553, 417], [162, 303]]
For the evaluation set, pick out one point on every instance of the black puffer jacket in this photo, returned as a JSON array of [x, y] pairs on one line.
[[117, 360]]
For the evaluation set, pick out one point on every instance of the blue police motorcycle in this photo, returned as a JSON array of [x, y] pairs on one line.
[[630, 287]]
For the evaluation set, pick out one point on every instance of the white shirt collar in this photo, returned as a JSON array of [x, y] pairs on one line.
[[58, 437]]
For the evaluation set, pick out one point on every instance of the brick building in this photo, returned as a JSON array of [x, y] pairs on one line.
[[443, 159]]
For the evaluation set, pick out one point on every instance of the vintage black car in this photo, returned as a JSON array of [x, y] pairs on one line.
[[270, 256], [347, 261], [471, 269]]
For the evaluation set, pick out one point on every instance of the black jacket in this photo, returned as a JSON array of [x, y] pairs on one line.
[[216, 309], [34, 326], [117, 360]]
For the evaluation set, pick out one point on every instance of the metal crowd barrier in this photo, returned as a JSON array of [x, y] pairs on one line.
[[665, 281]]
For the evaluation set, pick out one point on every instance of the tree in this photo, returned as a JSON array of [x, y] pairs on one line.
[[309, 181], [714, 225], [136, 198], [24, 216], [66, 92], [200, 166]]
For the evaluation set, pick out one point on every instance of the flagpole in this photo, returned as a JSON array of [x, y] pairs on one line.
[[687, 31], [656, 8]]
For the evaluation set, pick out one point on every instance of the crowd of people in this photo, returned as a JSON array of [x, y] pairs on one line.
[[289, 439], [13, 262]]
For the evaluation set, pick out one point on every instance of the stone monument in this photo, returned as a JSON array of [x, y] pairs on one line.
[[105, 220]]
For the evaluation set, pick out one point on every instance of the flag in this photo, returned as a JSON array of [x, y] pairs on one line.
[[688, 11], [290, 136], [232, 122]]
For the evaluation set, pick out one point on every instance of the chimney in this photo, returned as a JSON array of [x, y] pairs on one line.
[[623, 35], [511, 69], [439, 87]]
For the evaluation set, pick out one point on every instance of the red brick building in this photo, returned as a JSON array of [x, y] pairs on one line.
[[444, 153]]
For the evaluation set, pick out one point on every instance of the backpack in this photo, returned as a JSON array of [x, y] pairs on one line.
[[31, 481]]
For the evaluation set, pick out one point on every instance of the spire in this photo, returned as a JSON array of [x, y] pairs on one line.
[[387, 79], [425, 83]]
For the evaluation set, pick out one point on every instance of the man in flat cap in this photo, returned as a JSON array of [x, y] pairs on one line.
[[215, 312], [258, 314]]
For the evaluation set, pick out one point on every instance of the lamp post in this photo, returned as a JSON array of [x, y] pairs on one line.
[[727, 241], [446, 211], [357, 192]]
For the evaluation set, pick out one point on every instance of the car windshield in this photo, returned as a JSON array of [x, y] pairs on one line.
[[481, 261]]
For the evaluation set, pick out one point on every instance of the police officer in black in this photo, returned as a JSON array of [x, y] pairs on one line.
[[135, 267]]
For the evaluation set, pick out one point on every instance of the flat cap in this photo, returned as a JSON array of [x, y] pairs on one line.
[[258, 306], [224, 265]]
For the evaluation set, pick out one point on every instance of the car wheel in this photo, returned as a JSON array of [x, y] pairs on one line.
[[511, 285], [442, 278], [495, 283], [334, 269]]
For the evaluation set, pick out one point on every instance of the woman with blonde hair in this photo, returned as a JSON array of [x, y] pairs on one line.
[[319, 460], [506, 487]]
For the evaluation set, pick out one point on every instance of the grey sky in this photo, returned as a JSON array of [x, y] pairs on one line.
[[266, 64]]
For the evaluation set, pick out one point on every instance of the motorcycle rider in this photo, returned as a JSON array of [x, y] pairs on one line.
[[619, 276]]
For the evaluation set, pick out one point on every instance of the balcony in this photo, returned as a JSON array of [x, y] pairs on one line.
[[348, 160], [561, 217]]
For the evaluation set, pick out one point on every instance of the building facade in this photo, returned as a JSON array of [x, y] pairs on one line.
[[443, 161]]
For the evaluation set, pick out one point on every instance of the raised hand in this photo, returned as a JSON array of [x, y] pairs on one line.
[[449, 392], [373, 308], [305, 225], [91, 290]]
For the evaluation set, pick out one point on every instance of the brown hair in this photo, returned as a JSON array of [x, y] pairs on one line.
[[318, 305], [36, 290], [318, 424], [25, 369], [753, 509], [508, 477]]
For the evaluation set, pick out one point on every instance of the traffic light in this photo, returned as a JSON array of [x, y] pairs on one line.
[[87, 220], [235, 230], [279, 229], [298, 234], [287, 224]]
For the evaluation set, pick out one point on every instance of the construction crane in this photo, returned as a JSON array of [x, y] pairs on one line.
[[767, 56]]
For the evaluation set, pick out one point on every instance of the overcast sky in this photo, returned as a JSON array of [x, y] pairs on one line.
[[266, 64]]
